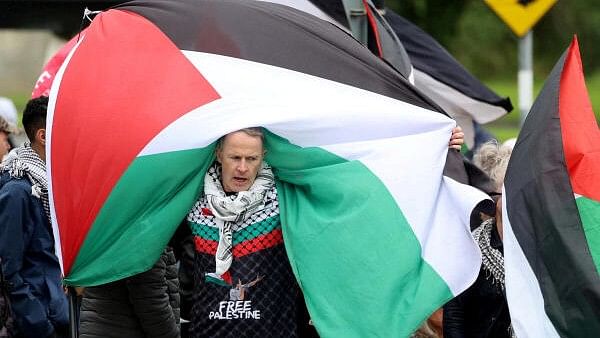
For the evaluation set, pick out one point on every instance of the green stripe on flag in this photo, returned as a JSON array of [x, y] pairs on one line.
[[589, 210], [151, 215], [357, 259]]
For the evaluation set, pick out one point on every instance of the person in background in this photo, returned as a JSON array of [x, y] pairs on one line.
[[32, 270], [5, 131], [145, 305], [482, 311], [8, 112]]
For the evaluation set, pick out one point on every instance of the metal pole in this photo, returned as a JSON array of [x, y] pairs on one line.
[[73, 314], [525, 75], [357, 18]]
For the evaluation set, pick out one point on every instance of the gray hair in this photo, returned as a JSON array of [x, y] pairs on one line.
[[493, 158], [251, 131], [4, 126]]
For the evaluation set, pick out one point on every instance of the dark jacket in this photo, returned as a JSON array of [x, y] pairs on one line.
[[31, 268], [183, 247], [480, 311], [6, 320], [144, 305], [183, 243]]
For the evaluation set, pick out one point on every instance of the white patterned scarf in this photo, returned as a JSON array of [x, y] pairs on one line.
[[25, 162], [492, 259], [228, 211]]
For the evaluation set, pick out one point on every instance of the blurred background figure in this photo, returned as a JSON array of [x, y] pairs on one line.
[[145, 305], [8, 111], [5, 145], [32, 270], [482, 310], [8, 125], [493, 158]]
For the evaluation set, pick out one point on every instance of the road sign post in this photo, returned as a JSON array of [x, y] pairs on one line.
[[525, 75], [521, 16]]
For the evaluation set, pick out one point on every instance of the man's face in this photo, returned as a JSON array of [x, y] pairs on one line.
[[240, 156]]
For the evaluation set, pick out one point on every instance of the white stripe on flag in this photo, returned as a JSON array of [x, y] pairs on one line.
[[49, 118], [525, 300], [444, 244], [288, 102], [404, 145], [459, 106]]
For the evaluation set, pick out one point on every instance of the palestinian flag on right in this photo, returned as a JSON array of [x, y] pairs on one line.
[[551, 212]]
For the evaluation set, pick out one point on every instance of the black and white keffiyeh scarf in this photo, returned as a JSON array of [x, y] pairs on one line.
[[491, 258], [25, 162], [231, 210]]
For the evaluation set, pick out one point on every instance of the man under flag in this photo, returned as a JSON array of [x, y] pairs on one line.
[[378, 237], [552, 211]]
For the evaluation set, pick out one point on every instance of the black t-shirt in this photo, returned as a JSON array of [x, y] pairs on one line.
[[260, 297]]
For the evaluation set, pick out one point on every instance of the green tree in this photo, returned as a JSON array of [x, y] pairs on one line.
[[485, 45], [421, 12]]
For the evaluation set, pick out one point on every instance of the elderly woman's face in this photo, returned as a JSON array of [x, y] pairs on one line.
[[4, 145]]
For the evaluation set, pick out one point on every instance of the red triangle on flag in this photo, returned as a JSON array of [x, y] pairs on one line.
[[124, 84], [580, 133]]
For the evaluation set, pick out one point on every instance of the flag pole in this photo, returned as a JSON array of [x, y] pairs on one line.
[[73, 317]]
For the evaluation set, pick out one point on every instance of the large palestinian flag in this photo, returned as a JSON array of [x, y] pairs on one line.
[[552, 212], [377, 236]]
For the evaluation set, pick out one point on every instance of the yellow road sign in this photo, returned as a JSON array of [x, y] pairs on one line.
[[520, 15]]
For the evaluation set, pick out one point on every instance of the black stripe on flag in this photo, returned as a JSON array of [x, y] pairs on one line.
[[545, 219], [427, 55], [280, 36]]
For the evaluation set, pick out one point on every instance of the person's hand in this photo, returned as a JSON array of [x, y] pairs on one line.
[[457, 138]]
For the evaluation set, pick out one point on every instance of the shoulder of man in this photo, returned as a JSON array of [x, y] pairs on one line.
[[14, 187]]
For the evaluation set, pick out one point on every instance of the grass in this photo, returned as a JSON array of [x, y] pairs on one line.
[[20, 100], [508, 126]]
